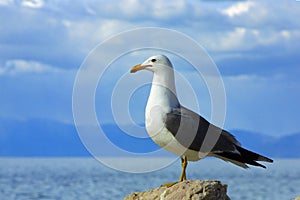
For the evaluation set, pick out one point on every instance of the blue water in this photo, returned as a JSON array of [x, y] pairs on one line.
[[86, 178]]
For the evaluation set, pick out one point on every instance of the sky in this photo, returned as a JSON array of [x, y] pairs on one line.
[[255, 45]]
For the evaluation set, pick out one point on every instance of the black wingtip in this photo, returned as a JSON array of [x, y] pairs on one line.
[[244, 157], [264, 159], [251, 157]]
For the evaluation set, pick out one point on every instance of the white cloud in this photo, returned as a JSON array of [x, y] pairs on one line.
[[285, 34], [125, 10], [89, 33], [231, 40], [6, 2], [168, 9], [86, 24], [32, 3], [246, 39], [137, 10], [238, 8], [132, 7], [13, 67]]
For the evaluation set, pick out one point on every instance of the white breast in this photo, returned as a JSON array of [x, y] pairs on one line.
[[158, 105]]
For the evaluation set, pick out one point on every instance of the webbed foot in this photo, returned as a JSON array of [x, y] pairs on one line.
[[169, 184]]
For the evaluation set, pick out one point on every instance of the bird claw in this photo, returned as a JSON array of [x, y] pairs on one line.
[[169, 184]]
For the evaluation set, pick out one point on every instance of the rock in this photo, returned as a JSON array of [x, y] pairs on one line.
[[186, 190], [297, 198]]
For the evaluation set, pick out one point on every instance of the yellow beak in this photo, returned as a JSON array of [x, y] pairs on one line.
[[137, 68]]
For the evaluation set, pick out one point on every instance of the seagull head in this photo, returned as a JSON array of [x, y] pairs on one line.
[[154, 64]]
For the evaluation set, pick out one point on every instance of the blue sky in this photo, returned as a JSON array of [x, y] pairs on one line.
[[255, 45]]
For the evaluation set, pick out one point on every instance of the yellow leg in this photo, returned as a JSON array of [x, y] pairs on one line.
[[184, 163]]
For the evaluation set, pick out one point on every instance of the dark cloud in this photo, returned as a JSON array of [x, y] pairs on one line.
[[259, 64], [279, 56], [35, 35]]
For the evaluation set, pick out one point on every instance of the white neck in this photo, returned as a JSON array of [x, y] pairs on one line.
[[163, 92]]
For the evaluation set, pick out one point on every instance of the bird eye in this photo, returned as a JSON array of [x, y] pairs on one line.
[[153, 60]]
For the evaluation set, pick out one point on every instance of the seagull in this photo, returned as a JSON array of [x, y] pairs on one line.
[[182, 131]]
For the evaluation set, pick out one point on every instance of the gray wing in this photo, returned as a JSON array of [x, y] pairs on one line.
[[190, 129]]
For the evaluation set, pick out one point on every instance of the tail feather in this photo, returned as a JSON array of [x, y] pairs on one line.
[[252, 155], [242, 156]]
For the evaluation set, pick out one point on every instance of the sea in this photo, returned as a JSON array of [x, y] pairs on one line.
[[88, 178]]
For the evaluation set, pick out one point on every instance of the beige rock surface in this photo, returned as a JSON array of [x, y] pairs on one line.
[[297, 198], [186, 190]]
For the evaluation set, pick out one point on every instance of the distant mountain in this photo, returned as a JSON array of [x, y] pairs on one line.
[[39, 138], [277, 147], [51, 138]]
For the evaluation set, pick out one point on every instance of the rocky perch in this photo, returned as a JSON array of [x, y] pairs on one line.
[[186, 190]]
